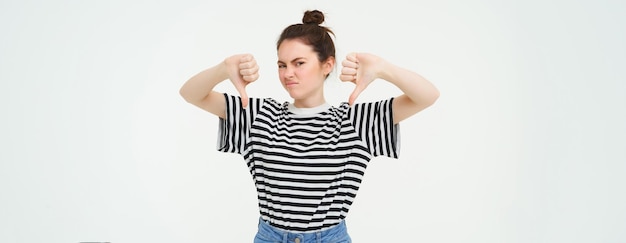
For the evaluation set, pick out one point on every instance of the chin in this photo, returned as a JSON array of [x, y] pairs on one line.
[[292, 94]]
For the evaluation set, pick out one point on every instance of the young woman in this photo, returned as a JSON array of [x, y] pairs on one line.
[[307, 158]]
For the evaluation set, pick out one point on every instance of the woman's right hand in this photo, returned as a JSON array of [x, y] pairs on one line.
[[242, 70]]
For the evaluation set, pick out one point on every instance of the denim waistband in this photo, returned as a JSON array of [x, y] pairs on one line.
[[334, 234]]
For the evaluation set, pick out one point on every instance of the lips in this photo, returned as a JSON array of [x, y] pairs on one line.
[[290, 83]]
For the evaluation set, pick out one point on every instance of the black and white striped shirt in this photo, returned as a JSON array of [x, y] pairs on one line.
[[307, 164]]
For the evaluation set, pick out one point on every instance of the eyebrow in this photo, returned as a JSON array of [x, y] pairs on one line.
[[294, 60]]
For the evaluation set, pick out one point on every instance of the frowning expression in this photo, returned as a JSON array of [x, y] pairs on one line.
[[301, 73]]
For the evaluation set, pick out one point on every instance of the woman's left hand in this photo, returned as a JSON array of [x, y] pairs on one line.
[[360, 69]]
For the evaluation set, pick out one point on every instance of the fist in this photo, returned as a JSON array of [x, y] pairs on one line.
[[242, 69], [360, 69]]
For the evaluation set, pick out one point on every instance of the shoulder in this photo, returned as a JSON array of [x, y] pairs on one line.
[[268, 106], [263, 101], [274, 103], [342, 109], [378, 103], [367, 108]]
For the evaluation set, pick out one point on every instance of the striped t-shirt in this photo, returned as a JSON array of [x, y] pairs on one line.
[[307, 164]]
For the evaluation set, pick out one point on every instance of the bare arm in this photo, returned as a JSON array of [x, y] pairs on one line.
[[419, 93], [363, 68], [198, 90]]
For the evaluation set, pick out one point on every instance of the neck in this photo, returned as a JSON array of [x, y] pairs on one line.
[[309, 103]]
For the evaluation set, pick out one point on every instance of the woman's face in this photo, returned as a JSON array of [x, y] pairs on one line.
[[301, 72]]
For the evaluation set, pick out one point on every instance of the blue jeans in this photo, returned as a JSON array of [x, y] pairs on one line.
[[271, 234]]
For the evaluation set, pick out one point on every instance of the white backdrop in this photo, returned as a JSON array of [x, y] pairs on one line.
[[526, 143]]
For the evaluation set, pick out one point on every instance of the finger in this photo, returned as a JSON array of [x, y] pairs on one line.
[[349, 63], [246, 58], [347, 78], [244, 98], [247, 63], [251, 78], [241, 89], [357, 91], [249, 71], [352, 57], [348, 71]]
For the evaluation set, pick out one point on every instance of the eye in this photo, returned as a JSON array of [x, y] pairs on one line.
[[299, 64], [282, 66]]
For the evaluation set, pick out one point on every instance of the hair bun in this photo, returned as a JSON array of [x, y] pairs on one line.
[[313, 17]]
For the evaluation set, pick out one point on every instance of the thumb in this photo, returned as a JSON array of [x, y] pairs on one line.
[[241, 88], [357, 91]]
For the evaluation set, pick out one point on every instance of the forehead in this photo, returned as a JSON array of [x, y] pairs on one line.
[[294, 48]]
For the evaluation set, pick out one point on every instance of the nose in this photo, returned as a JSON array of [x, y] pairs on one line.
[[288, 73]]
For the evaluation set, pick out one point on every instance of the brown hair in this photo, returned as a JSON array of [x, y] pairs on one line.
[[311, 33]]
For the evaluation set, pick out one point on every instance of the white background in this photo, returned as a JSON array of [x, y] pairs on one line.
[[526, 143]]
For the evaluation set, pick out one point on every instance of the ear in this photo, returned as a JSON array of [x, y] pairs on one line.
[[328, 65]]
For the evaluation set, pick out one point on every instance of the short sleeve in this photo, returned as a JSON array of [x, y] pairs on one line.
[[234, 130], [374, 124]]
